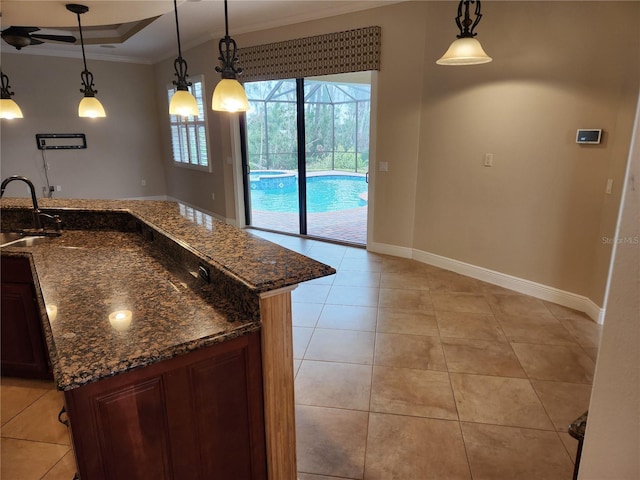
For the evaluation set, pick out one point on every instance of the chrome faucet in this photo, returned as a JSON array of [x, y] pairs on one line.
[[37, 223]]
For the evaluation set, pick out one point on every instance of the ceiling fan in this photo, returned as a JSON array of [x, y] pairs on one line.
[[20, 37]]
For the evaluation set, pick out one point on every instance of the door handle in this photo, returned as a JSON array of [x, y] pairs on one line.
[[64, 421]]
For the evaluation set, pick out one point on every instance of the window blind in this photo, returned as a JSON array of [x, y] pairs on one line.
[[341, 52], [188, 134]]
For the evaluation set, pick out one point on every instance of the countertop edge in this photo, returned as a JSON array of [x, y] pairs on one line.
[[128, 207]]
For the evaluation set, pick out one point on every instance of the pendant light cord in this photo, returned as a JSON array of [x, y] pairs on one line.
[[227, 47], [180, 63], [226, 20], [84, 59], [175, 9]]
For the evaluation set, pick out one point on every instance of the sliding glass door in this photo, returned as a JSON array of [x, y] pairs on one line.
[[272, 150], [336, 119], [307, 156]]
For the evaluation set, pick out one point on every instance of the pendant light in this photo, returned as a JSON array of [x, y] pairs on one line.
[[466, 50], [8, 107], [182, 102], [229, 95], [89, 106]]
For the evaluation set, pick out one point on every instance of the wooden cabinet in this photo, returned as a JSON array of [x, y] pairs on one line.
[[23, 349], [196, 416]]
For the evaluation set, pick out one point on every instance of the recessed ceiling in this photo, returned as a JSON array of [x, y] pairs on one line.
[[144, 31], [52, 13]]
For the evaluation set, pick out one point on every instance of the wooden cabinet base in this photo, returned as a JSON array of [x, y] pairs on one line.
[[197, 416], [23, 350]]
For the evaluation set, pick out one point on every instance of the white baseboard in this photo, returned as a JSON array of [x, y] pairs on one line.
[[527, 287], [156, 197], [386, 249], [594, 311], [534, 289]]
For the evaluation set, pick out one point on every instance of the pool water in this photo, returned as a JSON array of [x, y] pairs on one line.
[[325, 193], [272, 179]]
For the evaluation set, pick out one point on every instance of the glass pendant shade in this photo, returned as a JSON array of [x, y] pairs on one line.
[[91, 107], [183, 104], [9, 109], [229, 96], [464, 51]]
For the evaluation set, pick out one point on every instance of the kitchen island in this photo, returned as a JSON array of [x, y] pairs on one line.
[[159, 318]]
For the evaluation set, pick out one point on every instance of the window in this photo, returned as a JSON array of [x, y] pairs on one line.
[[189, 134]]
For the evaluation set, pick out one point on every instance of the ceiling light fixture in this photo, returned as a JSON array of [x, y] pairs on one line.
[[229, 95], [8, 107], [466, 50], [183, 103], [89, 106]]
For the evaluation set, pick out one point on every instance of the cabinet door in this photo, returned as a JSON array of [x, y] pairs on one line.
[[216, 408], [23, 349], [197, 416], [132, 432]]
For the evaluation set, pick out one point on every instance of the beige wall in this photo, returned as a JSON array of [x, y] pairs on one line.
[[122, 149], [540, 212], [612, 440]]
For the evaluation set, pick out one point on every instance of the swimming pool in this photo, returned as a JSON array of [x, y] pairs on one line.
[[272, 179], [325, 193]]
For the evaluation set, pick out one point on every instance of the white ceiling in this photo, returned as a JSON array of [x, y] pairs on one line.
[[111, 31]]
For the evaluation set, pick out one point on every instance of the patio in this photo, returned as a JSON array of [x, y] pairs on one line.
[[348, 226]]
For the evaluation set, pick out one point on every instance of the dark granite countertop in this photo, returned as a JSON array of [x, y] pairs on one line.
[[260, 264], [85, 276]]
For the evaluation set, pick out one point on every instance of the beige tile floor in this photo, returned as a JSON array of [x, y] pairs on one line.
[[406, 371], [34, 445], [403, 371]]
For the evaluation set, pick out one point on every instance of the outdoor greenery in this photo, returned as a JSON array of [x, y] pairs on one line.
[[336, 125]]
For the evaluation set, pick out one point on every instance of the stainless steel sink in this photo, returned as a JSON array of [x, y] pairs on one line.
[[6, 237], [17, 239]]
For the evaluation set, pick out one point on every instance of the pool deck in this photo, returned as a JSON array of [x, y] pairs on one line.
[[343, 225]]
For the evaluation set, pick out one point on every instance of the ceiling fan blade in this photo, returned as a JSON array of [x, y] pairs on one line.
[[35, 41], [15, 30], [57, 38]]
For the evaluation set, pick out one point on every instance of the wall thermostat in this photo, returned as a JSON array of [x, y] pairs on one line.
[[591, 135]]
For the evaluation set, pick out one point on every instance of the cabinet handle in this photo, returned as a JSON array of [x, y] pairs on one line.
[[65, 422]]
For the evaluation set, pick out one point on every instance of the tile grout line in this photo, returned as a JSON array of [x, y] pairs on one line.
[[373, 366], [530, 379], [22, 410], [55, 464]]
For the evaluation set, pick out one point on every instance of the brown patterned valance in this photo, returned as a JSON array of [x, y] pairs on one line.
[[341, 52]]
